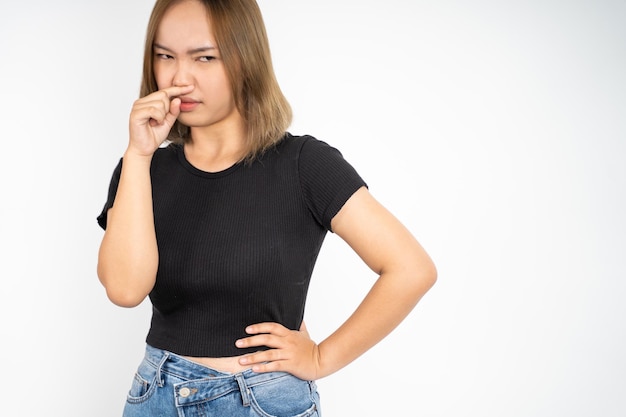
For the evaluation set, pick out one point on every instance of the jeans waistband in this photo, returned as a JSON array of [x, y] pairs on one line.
[[203, 383]]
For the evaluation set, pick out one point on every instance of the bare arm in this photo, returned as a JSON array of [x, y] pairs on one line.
[[128, 256], [405, 271]]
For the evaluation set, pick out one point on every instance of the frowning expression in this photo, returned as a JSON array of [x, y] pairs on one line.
[[186, 53]]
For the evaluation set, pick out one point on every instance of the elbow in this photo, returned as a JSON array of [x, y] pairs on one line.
[[430, 275], [124, 299], [119, 291], [424, 277]]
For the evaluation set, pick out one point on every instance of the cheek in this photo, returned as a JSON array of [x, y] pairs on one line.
[[220, 90], [162, 77], [160, 81], [220, 87], [216, 81]]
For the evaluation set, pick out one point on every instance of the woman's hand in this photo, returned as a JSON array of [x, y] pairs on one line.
[[152, 118], [291, 351]]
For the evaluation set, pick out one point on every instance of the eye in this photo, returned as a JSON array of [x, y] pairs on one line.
[[163, 56], [206, 58]]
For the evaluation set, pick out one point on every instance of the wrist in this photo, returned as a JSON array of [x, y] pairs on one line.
[[134, 155], [326, 365]]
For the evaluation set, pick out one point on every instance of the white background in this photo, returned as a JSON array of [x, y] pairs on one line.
[[494, 130]]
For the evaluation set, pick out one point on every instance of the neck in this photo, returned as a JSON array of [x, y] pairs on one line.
[[216, 149]]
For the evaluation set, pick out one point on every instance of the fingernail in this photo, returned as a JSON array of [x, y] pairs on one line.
[[239, 343]]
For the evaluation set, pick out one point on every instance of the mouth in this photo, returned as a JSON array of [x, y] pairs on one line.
[[188, 104]]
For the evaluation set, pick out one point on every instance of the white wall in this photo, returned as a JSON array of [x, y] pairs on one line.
[[495, 130]]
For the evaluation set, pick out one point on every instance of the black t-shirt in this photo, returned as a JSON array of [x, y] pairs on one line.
[[238, 247]]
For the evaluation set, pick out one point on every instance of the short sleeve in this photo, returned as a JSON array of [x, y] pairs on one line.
[[115, 180], [327, 180]]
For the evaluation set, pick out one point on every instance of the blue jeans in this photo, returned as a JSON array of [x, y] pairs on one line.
[[169, 385]]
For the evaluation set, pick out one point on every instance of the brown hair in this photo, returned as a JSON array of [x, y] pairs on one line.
[[242, 41]]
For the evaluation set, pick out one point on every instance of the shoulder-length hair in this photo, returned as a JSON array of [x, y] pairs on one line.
[[242, 41]]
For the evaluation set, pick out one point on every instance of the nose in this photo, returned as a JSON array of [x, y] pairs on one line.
[[183, 75]]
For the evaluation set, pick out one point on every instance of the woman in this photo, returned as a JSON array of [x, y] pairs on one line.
[[221, 227]]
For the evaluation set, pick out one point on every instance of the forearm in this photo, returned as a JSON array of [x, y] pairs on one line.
[[128, 257], [390, 300]]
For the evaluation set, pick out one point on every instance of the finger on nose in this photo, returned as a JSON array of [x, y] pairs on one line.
[[176, 91]]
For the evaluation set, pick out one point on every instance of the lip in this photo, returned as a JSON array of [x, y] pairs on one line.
[[188, 104]]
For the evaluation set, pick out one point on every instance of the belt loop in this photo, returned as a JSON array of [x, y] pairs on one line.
[[160, 382], [245, 391]]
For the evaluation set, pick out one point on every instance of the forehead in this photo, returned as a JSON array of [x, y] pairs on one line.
[[185, 23]]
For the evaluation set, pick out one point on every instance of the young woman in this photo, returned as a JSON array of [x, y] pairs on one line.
[[218, 214]]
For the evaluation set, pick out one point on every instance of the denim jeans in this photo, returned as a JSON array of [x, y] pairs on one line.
[[169, 385]]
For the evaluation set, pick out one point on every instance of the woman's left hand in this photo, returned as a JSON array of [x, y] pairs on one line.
[[290, 351]]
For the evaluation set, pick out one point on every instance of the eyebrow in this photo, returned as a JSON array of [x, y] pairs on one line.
[[189, 52]]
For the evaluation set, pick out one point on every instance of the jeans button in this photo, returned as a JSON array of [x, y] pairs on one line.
[[184, 392]]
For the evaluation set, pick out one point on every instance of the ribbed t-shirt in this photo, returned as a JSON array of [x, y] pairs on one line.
[[238, 247]]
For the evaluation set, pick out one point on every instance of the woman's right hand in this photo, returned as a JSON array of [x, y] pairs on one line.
[[152, 118]]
